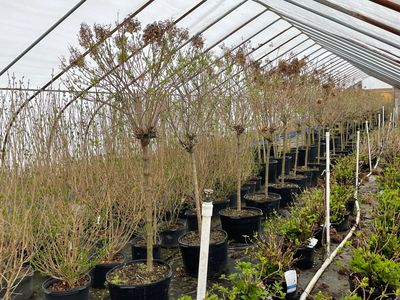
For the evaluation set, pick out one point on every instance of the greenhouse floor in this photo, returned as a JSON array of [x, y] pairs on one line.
[[334, 280]]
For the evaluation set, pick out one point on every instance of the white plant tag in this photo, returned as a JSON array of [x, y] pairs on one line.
[[291, 281], [313, 243], [98, 220]]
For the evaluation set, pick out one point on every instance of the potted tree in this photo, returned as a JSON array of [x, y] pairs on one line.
[[239, 222], [191, 109], [135, 67]]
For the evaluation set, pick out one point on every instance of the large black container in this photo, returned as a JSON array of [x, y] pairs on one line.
[[154, 290], [268, 206], [273, 171], [288, 193], [304, 258], [191, 220], [24, 289], [169, 237], [217, 257], [258, 182], [344, 225], [140, 251], [312, 176], [81, 293], [218, 205], [312, 153], [300, 180], [238, 227], [232, 198], [288, 166], [251, 185], [99, 272]]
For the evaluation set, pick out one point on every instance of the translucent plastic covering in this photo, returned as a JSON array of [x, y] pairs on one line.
[[333, 39]]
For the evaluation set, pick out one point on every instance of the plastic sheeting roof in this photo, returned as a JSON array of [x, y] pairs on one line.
[[342, 44]]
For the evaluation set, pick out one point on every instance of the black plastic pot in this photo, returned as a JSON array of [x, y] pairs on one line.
[[258, 182], [312, 153], [191, 220], [140, 251], [251, 185], [319, 166], [350, 206], [304, 258], [273, 171], [267, 205], [238, 227], [24, 289], [288, 166], [80, 293], [322, 149], [169, 237], [312, 176], [301, 156], [344, 225], [287, 193], [217, 257], [99, 272], [218, 205], [150, 291], [318, 234], [300, 180], [232, 198]]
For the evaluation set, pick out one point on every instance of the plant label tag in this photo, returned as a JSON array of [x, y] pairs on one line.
[[291, 281], [313, 243]]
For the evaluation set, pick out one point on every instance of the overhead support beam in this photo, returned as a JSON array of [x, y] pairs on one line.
[[368, 60], [359, 16], [388, 4], [349, 52], [347, 25]]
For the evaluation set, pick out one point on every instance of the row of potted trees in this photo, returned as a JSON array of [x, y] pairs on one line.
[[167, 122]]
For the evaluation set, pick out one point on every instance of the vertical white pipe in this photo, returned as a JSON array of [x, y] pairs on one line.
[[383, 117], [357, 162], [379, 130], [207, 209], [328, 192], [369, 146]]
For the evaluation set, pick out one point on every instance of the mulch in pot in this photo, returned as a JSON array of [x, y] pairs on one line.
[[240, 213], [137, 274], [62, 286], [193, 238]]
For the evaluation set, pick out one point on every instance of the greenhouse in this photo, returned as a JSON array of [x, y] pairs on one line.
[[208, 150]]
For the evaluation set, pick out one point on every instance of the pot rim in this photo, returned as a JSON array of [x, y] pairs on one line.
[[47, 282], [214, 244], [276, 197], [123, 286], [115, 263], [260, 213]]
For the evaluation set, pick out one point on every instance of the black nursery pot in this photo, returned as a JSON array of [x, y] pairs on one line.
[[312, 153], [300, 180], [312, 176], [238, 227], [251, 185], [140, 251], [267, 205], [99, 272], [320, 166], [232, 198], [169, 237], [350, 206], [304, 258], [272, 173], [80, 293], [217, 257], [24, 289], [218, 205], [258, 182], [150, 291], [344, 225], [288, 193], [191, 220], [288, 166]]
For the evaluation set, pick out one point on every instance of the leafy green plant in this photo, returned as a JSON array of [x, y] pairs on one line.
[[340, 194], [344, 170], [380, 271], [246, 284]]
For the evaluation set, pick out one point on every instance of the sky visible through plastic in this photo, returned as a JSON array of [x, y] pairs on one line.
[[22, 21]]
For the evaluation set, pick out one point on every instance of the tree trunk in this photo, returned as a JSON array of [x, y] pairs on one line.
[[196, 189], [239, 174], [319, 145], [148, 204], [283, 157], [296, 156], [267, 169], [307, 147]]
